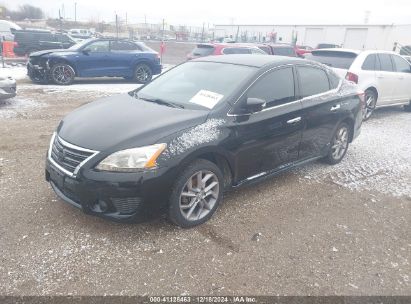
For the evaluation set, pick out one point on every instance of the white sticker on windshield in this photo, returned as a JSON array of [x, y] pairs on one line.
[[206, 98]]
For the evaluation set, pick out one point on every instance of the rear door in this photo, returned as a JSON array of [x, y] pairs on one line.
[[387, 80], [123, 54], [268, 140], [403, 71], [322, 110]]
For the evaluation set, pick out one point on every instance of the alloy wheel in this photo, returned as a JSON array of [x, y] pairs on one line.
[[143, 73], [340, 143], [199, 195], [62, 74], [369, 106]]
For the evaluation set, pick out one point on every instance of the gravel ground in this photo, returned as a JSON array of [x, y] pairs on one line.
[[317, 230]]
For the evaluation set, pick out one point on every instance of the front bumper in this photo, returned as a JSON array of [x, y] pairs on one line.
[[122, 197], [8, 91], [38, 73]]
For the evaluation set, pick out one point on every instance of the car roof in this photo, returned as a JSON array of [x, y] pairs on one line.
[[284, 45], [252, 60], [228, 45], [353, 51]]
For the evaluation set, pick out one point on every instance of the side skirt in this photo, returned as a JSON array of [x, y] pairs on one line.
[[266, 175]]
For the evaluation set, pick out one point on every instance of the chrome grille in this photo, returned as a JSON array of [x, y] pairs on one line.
[[126, 205], [68, 156]]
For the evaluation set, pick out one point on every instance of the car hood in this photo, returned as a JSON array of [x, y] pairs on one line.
[[45, 52], [122, 121]]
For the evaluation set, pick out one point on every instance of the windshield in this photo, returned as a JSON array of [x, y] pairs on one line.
[[196, 85], [79, 45]]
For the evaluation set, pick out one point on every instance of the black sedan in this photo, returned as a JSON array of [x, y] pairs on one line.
[[176, 144]]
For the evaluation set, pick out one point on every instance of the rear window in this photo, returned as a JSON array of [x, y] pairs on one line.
[[265, 49], [339, 60], [203, 50], [233, 50], [313, 81], [284, 51]]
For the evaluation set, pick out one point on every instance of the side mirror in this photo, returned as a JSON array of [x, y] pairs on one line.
[[255, 104]]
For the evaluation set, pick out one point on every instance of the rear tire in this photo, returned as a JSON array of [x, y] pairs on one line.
[[339, 144], [370, 103], [143, 73], [196, 194], [62, 74]]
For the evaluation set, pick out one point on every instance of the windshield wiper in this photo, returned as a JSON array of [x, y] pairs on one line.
[[162, 102]]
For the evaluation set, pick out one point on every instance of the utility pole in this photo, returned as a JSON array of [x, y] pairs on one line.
[[75, 12], [162, 43], [202, 34], [117, 25]]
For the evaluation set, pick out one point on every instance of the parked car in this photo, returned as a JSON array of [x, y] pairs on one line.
[[29, 41], [7, 30], [95, 58], [80, 33], [385, 77], [282, 49], [302, 49], [208, 49], [208, 125], [7, 87], [408, 58]]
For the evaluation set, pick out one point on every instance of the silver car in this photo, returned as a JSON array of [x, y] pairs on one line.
[[7, 87]]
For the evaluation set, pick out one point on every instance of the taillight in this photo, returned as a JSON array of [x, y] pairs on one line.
[[352, 77]]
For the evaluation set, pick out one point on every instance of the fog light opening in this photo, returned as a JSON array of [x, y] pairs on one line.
[[103, 206]]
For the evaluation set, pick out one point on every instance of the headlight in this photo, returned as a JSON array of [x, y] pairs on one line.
[[132, 159]]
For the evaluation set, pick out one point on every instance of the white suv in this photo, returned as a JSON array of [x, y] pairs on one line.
[[385, 77]]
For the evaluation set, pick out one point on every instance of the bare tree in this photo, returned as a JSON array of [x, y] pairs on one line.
[[26, 11]]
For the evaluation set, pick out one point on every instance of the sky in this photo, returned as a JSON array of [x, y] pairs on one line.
[[209, 12]]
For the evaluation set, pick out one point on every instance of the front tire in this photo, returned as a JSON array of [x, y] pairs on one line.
[[339, 144], [196, 194], [143, 73], [370, 103], [62, 74]]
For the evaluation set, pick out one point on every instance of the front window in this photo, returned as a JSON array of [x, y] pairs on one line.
[[98, 46], [196, 85], [276, 88]]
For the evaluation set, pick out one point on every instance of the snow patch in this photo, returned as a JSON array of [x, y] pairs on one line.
[[379, 160], [16, 72], [12, 107]]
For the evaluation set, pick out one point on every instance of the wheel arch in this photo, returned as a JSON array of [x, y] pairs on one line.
[[215, 155], [54, 60], [350, 121], [372, 88]]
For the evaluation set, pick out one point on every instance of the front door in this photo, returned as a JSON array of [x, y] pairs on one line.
[[387, 82], [403, 74], [269, 139], [93, 61]]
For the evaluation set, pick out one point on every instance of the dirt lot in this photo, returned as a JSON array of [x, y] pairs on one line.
[[318, 230]]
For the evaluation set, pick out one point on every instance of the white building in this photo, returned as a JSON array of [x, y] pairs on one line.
[[363, 36]]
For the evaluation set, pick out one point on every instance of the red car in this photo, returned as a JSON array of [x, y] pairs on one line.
[[302, 49], [208, 49]]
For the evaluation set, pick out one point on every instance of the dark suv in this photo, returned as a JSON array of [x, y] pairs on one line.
[[29, 41]]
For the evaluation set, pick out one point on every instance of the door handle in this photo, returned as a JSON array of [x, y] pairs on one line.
[[335, 108], [294, 120]]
